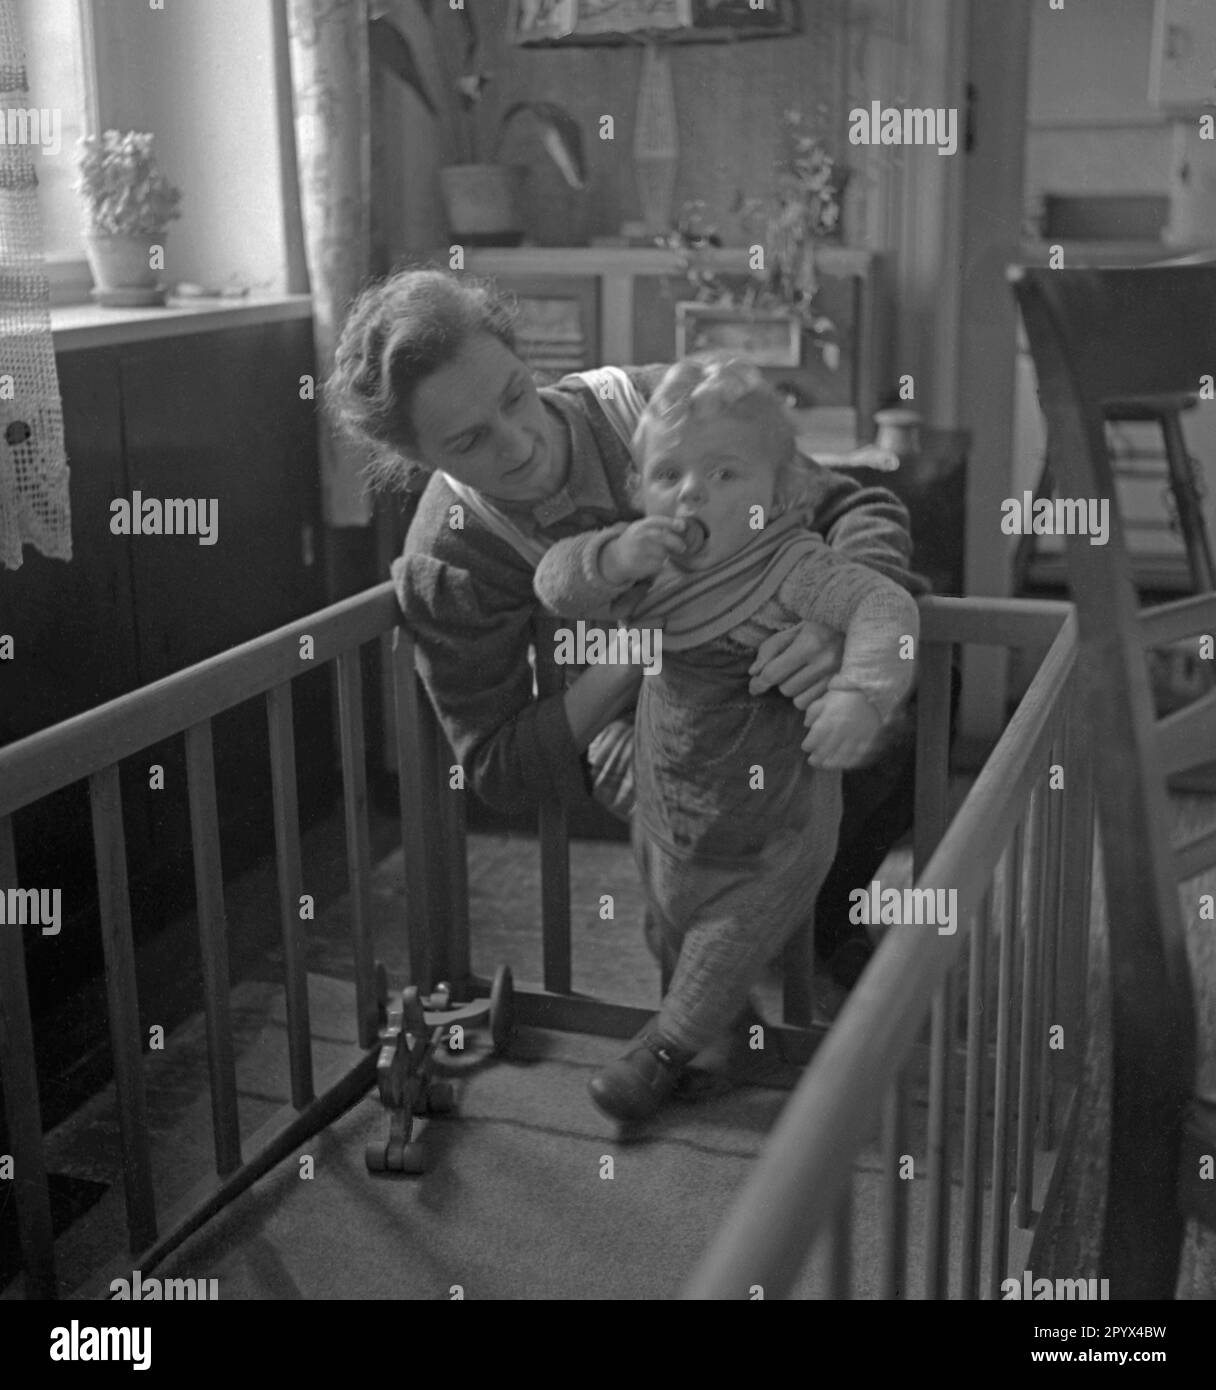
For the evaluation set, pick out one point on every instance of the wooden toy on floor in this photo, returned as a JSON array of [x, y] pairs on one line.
[[414, 1028]]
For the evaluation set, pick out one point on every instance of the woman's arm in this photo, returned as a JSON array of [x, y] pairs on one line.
[[866, 525], [467, 599]]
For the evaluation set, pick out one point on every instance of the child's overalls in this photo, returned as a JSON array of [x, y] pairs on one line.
[[733, 832]]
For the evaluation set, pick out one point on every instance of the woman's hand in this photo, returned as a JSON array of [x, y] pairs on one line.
[[799, 662]]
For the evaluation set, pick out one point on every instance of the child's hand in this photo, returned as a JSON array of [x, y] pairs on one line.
[[641, 550], [843, 725]]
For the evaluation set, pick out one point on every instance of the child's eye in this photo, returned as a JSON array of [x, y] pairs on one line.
[[515, 400], [468, 443]]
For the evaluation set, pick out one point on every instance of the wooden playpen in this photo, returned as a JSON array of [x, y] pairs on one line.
[[1018, 853]]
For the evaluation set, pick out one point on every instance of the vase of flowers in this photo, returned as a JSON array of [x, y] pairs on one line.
[[128, 205], [800, 211]]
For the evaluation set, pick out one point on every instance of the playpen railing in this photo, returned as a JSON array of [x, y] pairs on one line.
[[91, 746], [1029, 813]]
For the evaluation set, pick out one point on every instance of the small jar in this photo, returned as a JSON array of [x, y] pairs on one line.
[[898, 431]]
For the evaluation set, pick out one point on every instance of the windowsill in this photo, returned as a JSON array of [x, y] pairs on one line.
[[77, 326]]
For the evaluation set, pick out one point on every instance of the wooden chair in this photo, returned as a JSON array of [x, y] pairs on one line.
[[1100, 336]]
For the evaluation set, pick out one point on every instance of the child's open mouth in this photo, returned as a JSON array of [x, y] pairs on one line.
[[696, 536]]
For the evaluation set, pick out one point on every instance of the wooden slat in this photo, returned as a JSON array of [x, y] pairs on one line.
[[1171, 622], [412, 786], [290, 874], [939, 1190], [213, 944], [932, 752], [457, 949], [1031, 1013], [993, 622], [22, 1111], [1077, 873], [931, 819], [840, 1247], [114, 907], [973, 1104], [1186, 738], [894, 1217], [351, 738], [1002, 1124], [554, 845], [74, 749], [1195, 856], [1049, 941]]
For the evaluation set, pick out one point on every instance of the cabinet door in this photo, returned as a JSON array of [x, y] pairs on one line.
[[1183, 69], [218, 417], [74, 643]]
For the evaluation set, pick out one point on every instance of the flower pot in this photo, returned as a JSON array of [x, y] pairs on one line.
[[484, 203], [121, 267]]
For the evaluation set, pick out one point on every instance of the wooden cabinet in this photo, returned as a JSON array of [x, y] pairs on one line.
[[636, 290], [1183, 65], [214, 415]]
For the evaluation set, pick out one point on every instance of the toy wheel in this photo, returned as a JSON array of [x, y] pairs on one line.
[[412, 1016], [440, 1098], [413, 1159], [502, 1008], [376, 1156]]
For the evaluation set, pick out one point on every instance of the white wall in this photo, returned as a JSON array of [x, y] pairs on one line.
[[1090, 128], [200, 76]]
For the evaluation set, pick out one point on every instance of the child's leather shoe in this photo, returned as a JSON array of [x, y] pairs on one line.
[[635, 1086]]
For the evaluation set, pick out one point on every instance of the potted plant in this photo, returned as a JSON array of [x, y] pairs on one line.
[[128, 205], [801, 210], [483, 198]]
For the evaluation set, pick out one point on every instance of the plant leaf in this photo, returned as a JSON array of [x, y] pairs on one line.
[[560, 134], [389, 46]]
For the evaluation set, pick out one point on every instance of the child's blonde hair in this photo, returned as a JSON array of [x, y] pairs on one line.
[[718, 382]]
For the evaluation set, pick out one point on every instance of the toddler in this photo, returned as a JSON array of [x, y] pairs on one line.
[[733, 829]]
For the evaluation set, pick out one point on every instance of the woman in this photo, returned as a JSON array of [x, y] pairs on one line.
[[427, 376]]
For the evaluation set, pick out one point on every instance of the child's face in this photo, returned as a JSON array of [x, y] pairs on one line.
[[715, 469]]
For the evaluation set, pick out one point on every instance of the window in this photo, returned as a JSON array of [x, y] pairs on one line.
[[59, 64]]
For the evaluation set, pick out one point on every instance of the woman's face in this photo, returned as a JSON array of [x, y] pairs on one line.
[[480, 419]]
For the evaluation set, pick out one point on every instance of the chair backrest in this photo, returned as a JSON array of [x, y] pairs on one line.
[[1098, 336]]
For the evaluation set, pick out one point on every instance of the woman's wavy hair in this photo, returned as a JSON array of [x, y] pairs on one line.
[[720, 383], [397, 333]]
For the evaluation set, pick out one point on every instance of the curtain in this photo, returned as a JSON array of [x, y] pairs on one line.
[[330, 85], [34, 507]]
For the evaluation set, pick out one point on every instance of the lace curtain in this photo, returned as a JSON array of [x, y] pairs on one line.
[[34, 506]]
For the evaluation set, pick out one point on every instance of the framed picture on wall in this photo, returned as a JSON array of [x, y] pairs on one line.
[[548, 22], [768, 340]]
